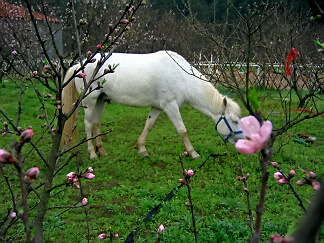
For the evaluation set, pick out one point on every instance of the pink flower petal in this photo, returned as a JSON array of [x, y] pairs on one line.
[[266, 130], [245, 146], [250, 125]]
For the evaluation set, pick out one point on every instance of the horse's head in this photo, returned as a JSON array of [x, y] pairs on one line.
[[228, 125]]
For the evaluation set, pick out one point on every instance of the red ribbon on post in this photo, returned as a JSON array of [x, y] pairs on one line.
[[291, 56]]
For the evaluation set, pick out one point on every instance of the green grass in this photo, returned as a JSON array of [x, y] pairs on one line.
[[127, 186]]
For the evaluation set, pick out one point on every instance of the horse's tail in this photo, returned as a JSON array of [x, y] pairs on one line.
[[69, 96]]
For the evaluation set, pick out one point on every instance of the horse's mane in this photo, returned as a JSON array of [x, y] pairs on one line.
[[217, 100]]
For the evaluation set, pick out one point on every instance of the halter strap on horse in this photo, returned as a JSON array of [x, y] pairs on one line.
[[232, 133]]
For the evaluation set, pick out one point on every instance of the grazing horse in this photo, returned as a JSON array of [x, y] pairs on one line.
[[164, 81]]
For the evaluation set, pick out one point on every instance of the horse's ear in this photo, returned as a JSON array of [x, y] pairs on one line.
[[225, 101]]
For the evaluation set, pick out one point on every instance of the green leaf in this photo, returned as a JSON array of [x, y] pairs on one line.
[[46, 61], [253, 98], [319, 44], [103, 81]]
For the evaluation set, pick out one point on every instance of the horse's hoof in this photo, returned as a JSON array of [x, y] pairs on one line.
[[195, 155], [144, 154], [103, 153]]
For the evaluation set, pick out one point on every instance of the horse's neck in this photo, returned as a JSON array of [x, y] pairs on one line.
[[207, 99]]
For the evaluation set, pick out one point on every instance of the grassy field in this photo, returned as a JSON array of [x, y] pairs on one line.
[[127, 186]]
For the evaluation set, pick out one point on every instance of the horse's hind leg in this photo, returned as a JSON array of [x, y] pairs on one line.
[[100, 106], [92, 116], [151, 119]]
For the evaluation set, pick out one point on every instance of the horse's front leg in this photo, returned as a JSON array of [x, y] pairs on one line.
[[172, 110], [151, 119]]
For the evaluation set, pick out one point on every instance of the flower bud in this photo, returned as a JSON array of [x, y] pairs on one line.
[[5, 124], [291, 173], [90, 169], [188, 204], [275, 164], [312, 175], [40, 117], [26, 136], [316, 185], [161, 229], [35, 73], [99, 47], [70, 175], [185, 153], [116, 235], [84, 201], [300, 183], [76, 185], [89, 176], [182, 181], [14, 53], [81, 75], [13, 215], [103, 236], [5, 157], [276, 238], [282, 181], [124, 21], [32, 174], [190, 172]]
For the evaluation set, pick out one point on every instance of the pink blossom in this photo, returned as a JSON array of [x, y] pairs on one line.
[[190, 172], [14, 53], [89, 53], [90, 169], [32, 174], [84, 201], [70, 175], [188, 204], [13, 214], [256, 135], [116, 235], [161, 229], [103, 236], [5, 157], [99, 46], [26, 136], [89, 176], [277, 175], [35, 73], [40, 117], [316, 185]]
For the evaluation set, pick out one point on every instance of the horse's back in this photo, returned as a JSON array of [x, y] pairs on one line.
[[145, 80]]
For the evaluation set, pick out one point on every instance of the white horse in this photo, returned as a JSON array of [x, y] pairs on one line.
[[164, 81]]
